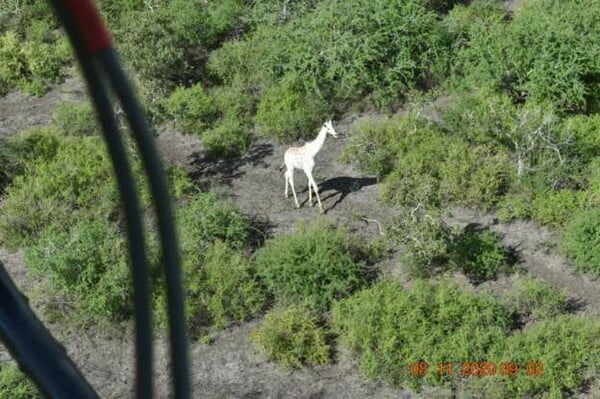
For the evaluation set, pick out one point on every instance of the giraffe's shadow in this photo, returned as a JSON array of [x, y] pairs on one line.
[[340, 187], [225, 170]]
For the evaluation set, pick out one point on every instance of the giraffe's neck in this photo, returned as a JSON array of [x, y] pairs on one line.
[[313, 147]]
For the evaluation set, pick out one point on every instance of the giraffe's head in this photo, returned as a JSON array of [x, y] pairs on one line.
[[328, 126]]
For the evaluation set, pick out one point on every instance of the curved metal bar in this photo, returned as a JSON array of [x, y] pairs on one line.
[[39, 355], [166, 224]]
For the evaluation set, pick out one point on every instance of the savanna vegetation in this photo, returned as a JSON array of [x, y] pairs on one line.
[[479, 106]]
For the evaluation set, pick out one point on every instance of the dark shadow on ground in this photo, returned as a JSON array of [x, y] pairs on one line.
[[260, 229], [341, 187], [209, 167]]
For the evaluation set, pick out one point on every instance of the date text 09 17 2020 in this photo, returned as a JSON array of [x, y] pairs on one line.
[[478, 369]]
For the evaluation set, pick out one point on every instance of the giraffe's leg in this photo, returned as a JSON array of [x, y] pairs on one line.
[[310, 194], [294, 190], [311, 181], [287, 179]]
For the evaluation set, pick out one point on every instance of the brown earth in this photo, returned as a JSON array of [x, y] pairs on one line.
[[229, 367]]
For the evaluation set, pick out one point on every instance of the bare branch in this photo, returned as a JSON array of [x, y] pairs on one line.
[[376, 222]]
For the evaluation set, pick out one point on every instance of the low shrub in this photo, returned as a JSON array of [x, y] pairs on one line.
[[382, 49], [556, 358], [472, 176], [76, 120], [533, 300], [515, 205], [581, 131], [192, 109], [211, 236], [32, 64], [204, 23], [389, 327], [204, 220], [88, 264], [462, 17], [19, 150], [157, 66], [315, 265], [231, 291], [556, 207], [558, 65], [430, 246], [75, 183], [234, 101], [229, 138], [292, 338], [15, 384], [580, 241], [480, 254], [419, 162], [287, 113], [426, 238], [373, 144], [415, 177]]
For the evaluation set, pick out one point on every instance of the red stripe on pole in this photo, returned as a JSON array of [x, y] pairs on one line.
[[95, 34]]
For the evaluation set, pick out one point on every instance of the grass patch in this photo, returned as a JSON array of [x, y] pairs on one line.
[[292, 338]]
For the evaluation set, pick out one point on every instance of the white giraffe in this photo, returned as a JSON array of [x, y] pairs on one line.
[[304, 158]]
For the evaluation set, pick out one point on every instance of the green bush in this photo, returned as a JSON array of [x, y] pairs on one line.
[[372, 144], [533, 300], [292, 338], [88, 264], [192, 109], [462, 17], [480, 254], [14, 384], [415, 177], [205, 23], [546, 53], [514, 206], [581, 131], [76, 120], [566, 347], [472, 176], [482, 117], [426, 238], [177, 37], [287, 113], [231, 292], [75, 184], [273, 12], [528, 137], [252, 63], [581, 241], [377, 48], [203, 222], [229, 138], [22, 17], [58, 192], [17, 151], [32, 64], [234, 101], [389, 327], [158, 64], [380, 50], [419, 162], [556, 207], [315, 265]]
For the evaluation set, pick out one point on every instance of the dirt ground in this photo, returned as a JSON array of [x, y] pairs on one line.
[[229, 367]]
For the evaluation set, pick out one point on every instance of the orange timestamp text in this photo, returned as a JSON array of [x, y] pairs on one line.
[[479, 368]]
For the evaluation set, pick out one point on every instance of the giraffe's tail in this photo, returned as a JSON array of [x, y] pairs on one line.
[[280, 168]]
